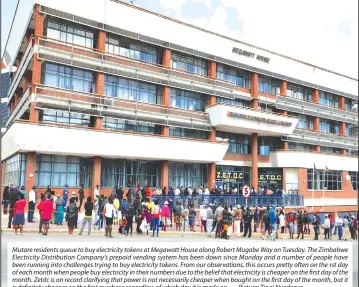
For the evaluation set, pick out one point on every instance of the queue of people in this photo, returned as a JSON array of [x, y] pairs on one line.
[[152, 210]]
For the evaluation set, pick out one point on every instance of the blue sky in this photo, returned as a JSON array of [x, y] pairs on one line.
[[322, 32]]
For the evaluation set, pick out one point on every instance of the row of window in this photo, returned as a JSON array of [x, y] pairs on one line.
[[80, 35], [56, 171]]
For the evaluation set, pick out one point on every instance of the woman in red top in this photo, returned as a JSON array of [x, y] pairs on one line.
[[46, 209], [290, 220], [19, 210]]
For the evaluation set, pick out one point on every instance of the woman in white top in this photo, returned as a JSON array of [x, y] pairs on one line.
[[282, 221], [326, 226], [109, 211]]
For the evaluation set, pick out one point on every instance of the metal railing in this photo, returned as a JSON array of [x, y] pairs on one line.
[[134, 110], [284, 200], [20, 69]]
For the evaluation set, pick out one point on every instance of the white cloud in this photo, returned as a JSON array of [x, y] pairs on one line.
[[322, 32]]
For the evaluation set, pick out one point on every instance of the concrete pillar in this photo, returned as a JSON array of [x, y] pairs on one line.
[[212, 135], [341, 103], [343, 152], [342, 129], [211, 100], [164, 174], [211, 175], [316, 124], [166, 60], [315, 95], [317, 148], [254, 91], [30, 171], [212, 69], [96, 171], [283, 88], [165, 131], [255, 161], [284, 145], [166, 96]]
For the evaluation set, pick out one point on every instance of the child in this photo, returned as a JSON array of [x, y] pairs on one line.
[[123, 225]]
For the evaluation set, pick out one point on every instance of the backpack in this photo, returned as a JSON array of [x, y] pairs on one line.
[[177, 210]]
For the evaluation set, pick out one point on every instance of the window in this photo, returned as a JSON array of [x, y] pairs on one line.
[[56, 171], [328, 126], [131, 49], [267, 144], [328, 99], [235, 102], [305, 122], [187, 100], [268, 85], [238, 144], [238, 77], [132, 90], [15, 170], [189, 64], [68, 78], [128, 125], [183, 174], [299, 146], [69, 32], [354, 179], [245, 179], [299, 92], [64, 117], [351, 130], [188, 133], [324, 179], [122, 172]]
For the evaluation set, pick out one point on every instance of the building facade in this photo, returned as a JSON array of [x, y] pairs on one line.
[[115, 95], [5, 84]]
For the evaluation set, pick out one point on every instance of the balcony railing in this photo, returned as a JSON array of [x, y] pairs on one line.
[[286, 200], [93, 104], [90, 58], [317, 110], [21, 69]]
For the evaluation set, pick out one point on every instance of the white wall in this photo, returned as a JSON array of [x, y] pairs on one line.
[[291, 175], [22, 137], [330, 202]]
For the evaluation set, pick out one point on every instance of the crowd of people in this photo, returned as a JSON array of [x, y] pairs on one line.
[[152, 210]]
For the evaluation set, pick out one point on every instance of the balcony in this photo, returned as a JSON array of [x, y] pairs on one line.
[[96, 105], [316, 110], [81, 141], [323, 139], [93, 59], [25, 60], [242, 120]]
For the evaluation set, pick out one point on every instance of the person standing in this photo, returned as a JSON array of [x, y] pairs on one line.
[[237, 220], [165, 215], [96, 192], [247, 223], [88, 216], [6, 198], [339, 226], [47, 209], [345, 228], [71, 215], [266, 223], [59, 209], [65, 195], [209, 221], [316, 225], [273, 222], [300, 224], [19, 210], [282, 221], [326, 227], [332, 221], [226, 221], [81, 193], [130, 216], [155, 212], [191, 217], [14, 196], [256, 219], [218, 217], [109, 212], [76, 200], [203, 217], [178, 216], [291, 220], [32, 202]]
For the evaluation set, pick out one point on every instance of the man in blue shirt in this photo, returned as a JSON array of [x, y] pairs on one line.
[[273, 222], [66, 194]]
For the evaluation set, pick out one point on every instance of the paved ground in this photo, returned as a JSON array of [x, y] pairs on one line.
[[96, 237]]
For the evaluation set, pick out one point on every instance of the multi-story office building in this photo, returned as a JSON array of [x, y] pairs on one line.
[[107, 93], [5, 84]]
